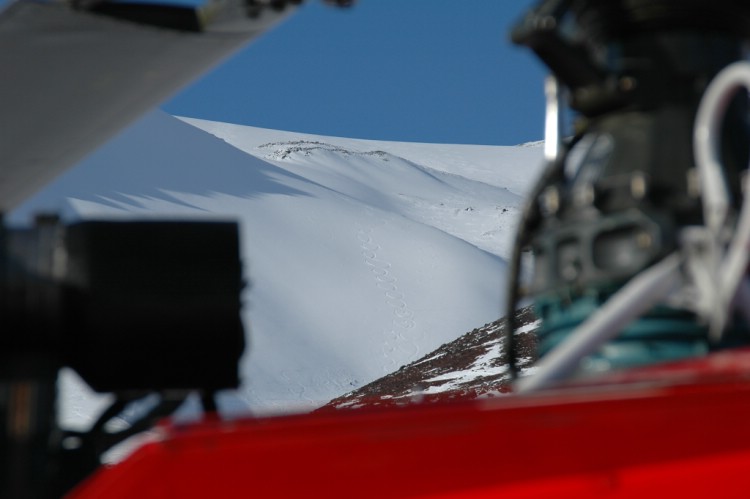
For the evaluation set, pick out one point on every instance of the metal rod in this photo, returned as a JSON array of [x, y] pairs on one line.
[[637, 296]]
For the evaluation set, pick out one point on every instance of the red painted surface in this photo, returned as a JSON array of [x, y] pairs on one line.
[[677, 431]]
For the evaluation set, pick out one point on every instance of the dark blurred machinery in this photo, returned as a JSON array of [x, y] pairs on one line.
[[135, 308], [623, 190]]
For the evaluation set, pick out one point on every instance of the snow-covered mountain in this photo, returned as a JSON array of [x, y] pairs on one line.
[[362, 256]]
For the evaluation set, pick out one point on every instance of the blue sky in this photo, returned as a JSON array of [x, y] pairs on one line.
[[411, 70]]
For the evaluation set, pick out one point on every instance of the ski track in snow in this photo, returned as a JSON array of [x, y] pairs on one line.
[[400, 335]]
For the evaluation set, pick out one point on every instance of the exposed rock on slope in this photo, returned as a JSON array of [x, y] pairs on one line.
[[475, 365]]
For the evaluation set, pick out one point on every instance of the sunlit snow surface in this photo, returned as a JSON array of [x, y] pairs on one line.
[[361, 255]]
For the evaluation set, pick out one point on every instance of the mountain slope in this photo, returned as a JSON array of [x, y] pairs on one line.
[[472, 366], [362, 256]]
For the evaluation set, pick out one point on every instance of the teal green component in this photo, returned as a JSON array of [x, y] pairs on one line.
[[664, 334]]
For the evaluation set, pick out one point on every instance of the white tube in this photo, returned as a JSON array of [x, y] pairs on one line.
[[707, 146], [707, 140]]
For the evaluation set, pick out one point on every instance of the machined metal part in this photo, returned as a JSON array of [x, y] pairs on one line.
[[633, 189]]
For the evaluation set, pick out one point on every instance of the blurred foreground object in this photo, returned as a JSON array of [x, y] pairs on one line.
[[627, 240], [136, 308], [75, 73]]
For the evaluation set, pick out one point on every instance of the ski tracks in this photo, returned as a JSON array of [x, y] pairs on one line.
[[397, 343]]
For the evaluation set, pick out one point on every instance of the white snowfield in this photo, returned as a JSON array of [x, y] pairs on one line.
[[360, 255]]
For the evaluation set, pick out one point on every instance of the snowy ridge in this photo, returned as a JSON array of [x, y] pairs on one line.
[[283, 150], [362, 256]]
